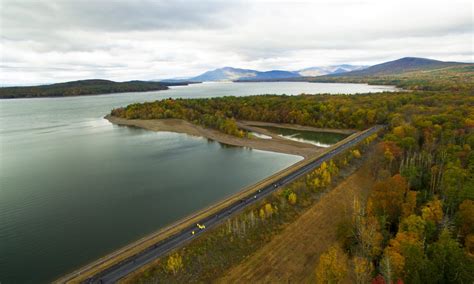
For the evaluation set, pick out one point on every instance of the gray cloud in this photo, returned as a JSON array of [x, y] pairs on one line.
[[47, 41], [139, 15]]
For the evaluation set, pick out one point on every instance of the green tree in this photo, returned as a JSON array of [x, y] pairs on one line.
[[448, 261]]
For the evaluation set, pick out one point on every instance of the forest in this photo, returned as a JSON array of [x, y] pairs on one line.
[[81, 88], [417, 225]]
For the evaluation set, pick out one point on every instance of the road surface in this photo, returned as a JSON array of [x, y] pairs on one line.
[[131, 264]]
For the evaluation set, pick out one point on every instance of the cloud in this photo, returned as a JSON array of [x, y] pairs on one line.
[[57, 40]]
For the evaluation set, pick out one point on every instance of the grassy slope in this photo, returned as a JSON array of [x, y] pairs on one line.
[[292, 255]]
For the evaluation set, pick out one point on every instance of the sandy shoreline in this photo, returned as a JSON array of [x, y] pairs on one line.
[[276, 144]]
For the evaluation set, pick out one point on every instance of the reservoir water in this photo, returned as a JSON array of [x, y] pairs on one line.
[[74, 187], [320, 139]]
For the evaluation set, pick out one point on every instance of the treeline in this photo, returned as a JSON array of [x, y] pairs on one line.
[[80, 88], [324, 111]]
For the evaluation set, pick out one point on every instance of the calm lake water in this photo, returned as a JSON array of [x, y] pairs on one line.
[[321, 139], [74, 187]]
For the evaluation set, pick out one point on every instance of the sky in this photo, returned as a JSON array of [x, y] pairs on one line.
[[60, 40]]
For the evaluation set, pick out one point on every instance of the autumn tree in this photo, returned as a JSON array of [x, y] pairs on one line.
[[363, 269], [174, 263], [366, 230], [269, 210], [292, 198], [332, 266], [387, 198], [396, 253], [356, 153], [413, 224], [433, 211]]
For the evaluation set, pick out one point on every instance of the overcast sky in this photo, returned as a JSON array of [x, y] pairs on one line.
[[59, 40]]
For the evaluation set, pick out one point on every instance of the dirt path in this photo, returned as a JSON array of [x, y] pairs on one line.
[[291, 256], [276, 144]]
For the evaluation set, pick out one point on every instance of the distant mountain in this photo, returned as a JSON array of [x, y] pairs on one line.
[[332, 69], [399, 66], [82, 88], [402, 65], [237, 74], [233, 74]]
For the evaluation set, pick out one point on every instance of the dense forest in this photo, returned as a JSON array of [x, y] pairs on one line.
[[81, 88], [417, 225]]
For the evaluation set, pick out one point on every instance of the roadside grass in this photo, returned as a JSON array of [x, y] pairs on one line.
[[208, 257]]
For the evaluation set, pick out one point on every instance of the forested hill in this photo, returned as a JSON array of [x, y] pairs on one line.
[[82, 88], [402, 65], [430, 76]]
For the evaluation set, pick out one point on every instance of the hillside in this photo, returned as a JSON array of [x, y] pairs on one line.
[[419, 74], [402, 65], [81, 88]]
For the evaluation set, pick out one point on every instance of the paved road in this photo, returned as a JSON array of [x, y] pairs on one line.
[[131, 264]]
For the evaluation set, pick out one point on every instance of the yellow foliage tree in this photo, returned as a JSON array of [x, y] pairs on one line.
[[268, 209], [174, 263], [332, 266], [292, 198], [466, 214], [356, 153], [413, 224], [323, 166], [363, 269], [326, 178], [261, 213], [316, 183], [399, 131], [366, 230], [395, 253], [332, 168], [433, 211], [409, 205]]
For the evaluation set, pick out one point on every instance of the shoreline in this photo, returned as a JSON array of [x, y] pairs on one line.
[[276, 144]]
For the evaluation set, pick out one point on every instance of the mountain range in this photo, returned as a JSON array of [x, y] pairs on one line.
[[234, 74], [399, 66], [332, 69]]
